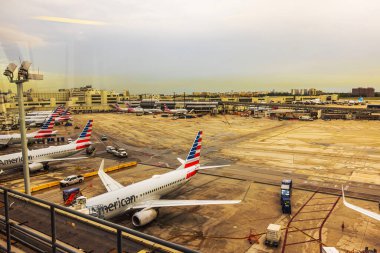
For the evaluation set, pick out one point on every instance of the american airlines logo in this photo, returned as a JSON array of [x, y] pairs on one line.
[[119, 203], [11, 161]]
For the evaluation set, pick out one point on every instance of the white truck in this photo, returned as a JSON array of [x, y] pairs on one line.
[[70, 180], [121, 153], [273, 236], [110, 149]]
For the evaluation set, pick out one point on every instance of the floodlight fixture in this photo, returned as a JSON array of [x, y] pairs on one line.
[[8, 72], [24, 70], [25, 65]]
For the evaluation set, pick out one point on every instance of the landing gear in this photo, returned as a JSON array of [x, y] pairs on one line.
[[46, 167]]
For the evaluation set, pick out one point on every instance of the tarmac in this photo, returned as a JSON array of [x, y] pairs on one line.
[[318, 156]]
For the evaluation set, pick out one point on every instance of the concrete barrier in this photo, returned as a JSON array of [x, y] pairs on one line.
[[85, 175]]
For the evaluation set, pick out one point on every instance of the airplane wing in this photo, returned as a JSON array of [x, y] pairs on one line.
[[211, 167], [168, 202], [110, 183], [359, 209], [56, 159]]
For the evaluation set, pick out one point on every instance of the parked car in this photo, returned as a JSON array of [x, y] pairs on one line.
[[70, 180], [121, 153], [115, 152], [104, 138], [110, 149]]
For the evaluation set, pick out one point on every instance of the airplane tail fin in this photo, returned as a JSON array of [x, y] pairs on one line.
[[117, 107], [47, 128], [57, 111], [166, 109], [83, 140], [66, 112], [127, 105], [192, 159]]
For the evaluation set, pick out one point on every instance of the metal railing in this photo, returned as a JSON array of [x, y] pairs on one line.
[[18, 232]]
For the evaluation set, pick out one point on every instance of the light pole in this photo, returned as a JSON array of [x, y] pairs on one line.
[[22, 76]]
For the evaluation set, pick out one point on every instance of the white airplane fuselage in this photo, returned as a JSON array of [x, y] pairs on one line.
[[15, 160], [119, 201], [36, 120], [16, 138], [176, 111]]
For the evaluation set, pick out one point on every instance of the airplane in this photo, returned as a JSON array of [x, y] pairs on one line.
[[142, 110], [128, 109], [44, 132], [174, 111], [359, 209], [360, 101], [39, 158], [146, 195], [65, 116], [40, 119], [44, 113]]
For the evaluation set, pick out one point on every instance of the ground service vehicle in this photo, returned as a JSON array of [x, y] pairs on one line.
[[104, 138], [70, 195], [306, 118], [121, 153], [273, 235], [110, 149], [70, 180], [286, 191]]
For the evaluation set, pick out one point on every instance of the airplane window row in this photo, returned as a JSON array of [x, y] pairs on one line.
[[162, 187], [60, 151]]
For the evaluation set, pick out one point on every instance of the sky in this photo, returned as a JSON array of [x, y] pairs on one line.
[[170, 46]]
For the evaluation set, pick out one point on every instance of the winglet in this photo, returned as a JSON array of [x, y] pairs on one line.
[[359, 209], [181, 160], [101, 167]]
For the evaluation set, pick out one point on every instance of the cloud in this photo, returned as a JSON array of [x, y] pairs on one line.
[[69, 20], [11, 35]]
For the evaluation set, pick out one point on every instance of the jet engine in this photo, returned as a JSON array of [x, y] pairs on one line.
[[35, 166], [144, 217]]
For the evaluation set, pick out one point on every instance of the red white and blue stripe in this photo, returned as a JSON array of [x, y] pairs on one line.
[[84, 138], [65, 116], [47, 128], [193, 157], [57, 111]]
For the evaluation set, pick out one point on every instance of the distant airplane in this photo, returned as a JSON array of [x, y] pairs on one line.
[[356, 102], [59, 109], [40, 158], [129, 109], [359, 209], [45, 131], [40, 119], [142, 110], [174, 111], [145, 196], [65, 116]]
